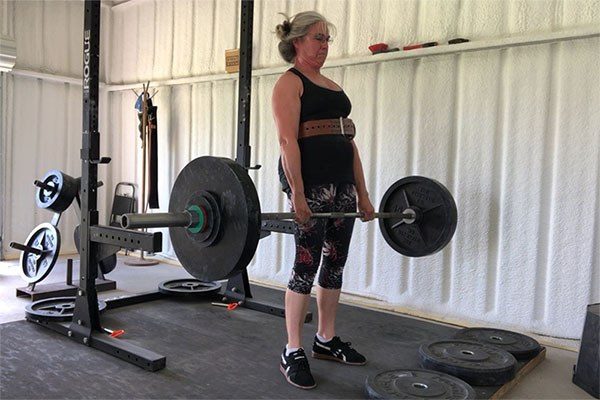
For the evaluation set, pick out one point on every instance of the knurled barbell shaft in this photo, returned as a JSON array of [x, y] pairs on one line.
[[291, 215], [186, 219], [26, 248]]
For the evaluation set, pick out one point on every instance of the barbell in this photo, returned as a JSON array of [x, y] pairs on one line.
[[215, 219]]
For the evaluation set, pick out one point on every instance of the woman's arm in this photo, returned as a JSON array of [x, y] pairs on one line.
[[286, 111], [362, 195]]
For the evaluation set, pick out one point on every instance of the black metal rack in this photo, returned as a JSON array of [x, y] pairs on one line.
[[238, 287], [85, 327], [96, 240]]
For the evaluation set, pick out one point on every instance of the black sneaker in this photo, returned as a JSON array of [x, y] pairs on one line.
[[337, 350], [296, 370]]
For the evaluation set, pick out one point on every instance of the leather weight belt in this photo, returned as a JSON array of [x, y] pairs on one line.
[[343, 126]]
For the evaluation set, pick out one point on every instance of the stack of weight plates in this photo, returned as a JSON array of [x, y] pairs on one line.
[[475, 363], [474, 356]]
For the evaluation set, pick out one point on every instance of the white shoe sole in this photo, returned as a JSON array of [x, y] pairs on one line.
[[292, 383]]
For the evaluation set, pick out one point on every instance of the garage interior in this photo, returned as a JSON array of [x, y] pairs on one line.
[[160, 111]]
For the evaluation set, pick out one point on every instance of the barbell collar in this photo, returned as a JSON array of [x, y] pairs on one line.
[[198, 215]]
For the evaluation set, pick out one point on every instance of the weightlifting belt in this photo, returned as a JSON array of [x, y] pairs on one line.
[[342, 126]]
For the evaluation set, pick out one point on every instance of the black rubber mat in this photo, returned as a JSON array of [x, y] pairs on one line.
[[211, 353]]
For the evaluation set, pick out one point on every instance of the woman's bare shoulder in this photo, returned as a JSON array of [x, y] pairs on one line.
[[289, 81]]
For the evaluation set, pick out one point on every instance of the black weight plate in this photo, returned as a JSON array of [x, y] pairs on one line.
[[59, 199], [521, 346], [239, 231], [77, 237], [45, 237], [55, 309], [473, 362], [416, 384], [108, 264], [188, 287], [436, 221]]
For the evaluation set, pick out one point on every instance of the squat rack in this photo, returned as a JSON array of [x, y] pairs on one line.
[[98, 241], [238, 287]]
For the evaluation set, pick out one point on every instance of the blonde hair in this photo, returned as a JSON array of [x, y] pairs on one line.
[[294, 28]]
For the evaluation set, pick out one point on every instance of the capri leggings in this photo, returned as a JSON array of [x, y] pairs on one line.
[[323, 236]]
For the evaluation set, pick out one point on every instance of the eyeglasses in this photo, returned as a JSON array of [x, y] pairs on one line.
[[319, 37]]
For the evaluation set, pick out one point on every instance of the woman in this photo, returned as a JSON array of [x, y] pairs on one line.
[[320, 171]]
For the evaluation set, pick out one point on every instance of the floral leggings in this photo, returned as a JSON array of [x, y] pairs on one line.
[[326, 236]]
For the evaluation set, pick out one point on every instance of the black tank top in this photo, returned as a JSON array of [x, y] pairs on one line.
[[324, 158]]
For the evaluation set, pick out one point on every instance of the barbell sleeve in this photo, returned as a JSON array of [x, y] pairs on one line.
[[334, 215], [182, 219]]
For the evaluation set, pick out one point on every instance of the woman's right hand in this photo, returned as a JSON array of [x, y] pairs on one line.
[[301, 208]]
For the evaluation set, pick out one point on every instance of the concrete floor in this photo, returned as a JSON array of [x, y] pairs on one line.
[[550, 380]]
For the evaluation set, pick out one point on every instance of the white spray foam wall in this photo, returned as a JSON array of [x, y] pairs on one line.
[[42, 119], [43, 133], [512, 133]]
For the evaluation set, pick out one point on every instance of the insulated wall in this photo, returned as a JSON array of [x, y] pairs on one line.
[[49, 36], [513, 133], [42, 112]]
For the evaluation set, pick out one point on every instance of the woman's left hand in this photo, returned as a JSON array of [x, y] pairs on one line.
[[366, 208]]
